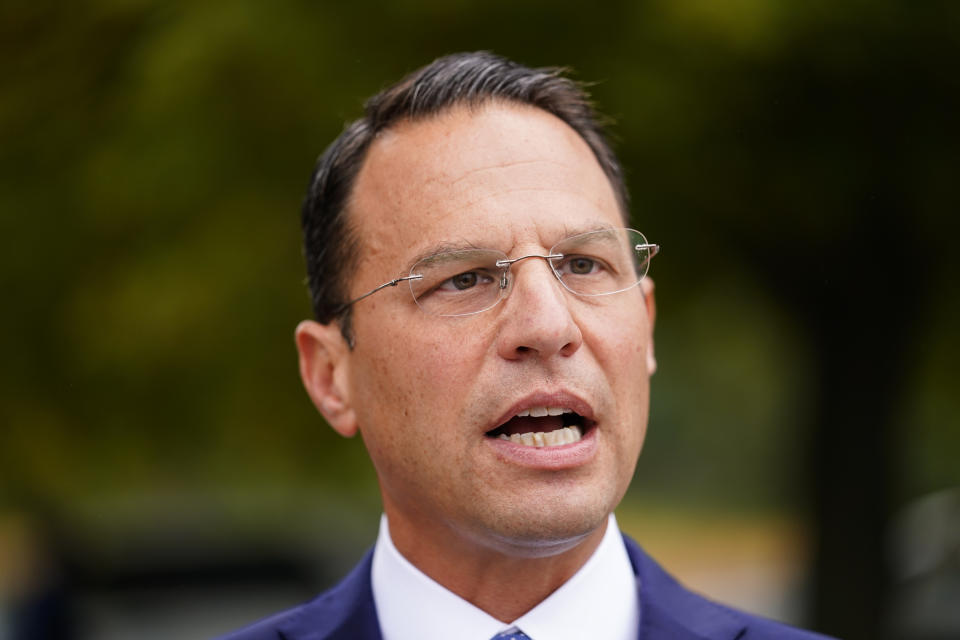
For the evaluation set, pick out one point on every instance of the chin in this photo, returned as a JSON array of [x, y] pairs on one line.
[[546, 528]]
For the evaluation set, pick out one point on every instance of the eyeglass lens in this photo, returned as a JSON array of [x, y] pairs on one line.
[[592, 264]]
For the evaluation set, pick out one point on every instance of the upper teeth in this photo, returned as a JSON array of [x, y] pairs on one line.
[[540, 412]]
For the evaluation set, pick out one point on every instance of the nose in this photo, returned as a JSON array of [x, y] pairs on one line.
[[536, 319]]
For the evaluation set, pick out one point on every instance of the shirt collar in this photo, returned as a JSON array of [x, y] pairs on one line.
[[598, 601]]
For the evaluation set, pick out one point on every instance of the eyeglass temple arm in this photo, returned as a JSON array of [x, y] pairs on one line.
[[654, 249], [391, 283]]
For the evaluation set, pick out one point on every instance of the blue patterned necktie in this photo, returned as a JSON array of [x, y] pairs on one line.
[[511, 634]]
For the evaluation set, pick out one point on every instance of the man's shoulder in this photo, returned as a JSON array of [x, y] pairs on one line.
[[759, 628], [267, 628], [344, 611], [670, 610]]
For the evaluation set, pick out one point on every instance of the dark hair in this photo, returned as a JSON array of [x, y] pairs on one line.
[[470, 79]]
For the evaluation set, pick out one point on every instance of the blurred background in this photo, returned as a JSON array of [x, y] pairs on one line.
[[162, 473]]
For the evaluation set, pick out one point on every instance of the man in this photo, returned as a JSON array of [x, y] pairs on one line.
[[484, 323]]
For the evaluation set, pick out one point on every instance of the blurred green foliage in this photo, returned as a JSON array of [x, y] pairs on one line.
[[154, 155]]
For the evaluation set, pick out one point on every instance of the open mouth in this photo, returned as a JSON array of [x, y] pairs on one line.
[[543, 427]]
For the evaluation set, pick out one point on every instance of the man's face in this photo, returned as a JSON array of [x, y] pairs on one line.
[[428, 390]]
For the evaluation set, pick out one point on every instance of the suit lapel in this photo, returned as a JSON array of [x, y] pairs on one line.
[[346, 612], [669, 612]]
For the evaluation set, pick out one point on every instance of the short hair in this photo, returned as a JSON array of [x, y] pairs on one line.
[[462, 79]]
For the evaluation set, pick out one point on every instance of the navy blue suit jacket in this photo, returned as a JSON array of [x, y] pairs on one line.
[[668, 611]]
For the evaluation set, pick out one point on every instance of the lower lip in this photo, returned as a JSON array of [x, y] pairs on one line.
[[565, 456]]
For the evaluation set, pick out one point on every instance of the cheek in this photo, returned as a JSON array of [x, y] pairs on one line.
[[618, 335], [412, 402], [412, 379], [619, 341], [390, 398], [452, 352]]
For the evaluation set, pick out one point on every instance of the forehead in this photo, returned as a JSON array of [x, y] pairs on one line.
[[497, 175]]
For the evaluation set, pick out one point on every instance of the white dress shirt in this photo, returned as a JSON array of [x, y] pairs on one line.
[[598, 601]]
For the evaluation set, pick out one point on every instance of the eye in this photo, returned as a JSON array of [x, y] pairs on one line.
[[580, 265], [464, 281]]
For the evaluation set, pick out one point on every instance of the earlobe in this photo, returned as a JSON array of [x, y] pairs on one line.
[[324, 362], [651, 303]]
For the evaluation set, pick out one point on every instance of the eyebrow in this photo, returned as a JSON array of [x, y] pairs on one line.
[[465, 245], [576, 231], [442, 247]]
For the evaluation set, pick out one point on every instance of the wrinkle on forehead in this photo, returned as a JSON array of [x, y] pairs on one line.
[[504, 165], [445, 192], [450, 206]]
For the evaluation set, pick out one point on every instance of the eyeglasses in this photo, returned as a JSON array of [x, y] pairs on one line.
[[464, 282]]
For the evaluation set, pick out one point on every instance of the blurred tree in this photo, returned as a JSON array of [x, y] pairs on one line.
[[796, 161]]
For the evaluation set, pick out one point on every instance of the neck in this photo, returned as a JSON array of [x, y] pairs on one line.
[[504, 580]]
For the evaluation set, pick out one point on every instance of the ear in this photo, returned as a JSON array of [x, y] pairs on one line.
[[647, 285], [324, 365]]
